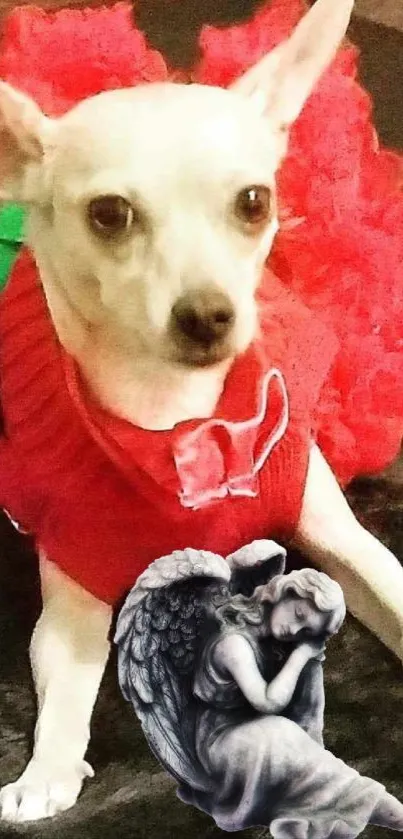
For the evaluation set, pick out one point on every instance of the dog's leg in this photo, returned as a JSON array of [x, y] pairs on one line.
[[69, 650], [370, 576]]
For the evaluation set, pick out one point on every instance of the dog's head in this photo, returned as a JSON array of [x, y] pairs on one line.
[[154, 208]]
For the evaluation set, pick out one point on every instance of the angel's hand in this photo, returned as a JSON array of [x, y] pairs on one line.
[[313, 649], [281, 689]]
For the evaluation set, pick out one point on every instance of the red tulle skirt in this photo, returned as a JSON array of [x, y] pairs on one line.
[[340, 247]]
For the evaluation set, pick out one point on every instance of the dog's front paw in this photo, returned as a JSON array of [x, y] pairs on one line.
[[42, 791]]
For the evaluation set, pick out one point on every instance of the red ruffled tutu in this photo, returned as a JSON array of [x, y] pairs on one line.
[[340, 249]]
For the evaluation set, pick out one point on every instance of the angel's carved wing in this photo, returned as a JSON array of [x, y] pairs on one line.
[[254, 565], [163, 621]]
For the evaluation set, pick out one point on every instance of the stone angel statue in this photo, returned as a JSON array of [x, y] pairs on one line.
[[222, 661]]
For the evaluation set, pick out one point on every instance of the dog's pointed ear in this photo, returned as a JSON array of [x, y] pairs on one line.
[[25, 132], [282, 81]]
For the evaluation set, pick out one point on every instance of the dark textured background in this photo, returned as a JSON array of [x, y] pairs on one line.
[[130, 796]]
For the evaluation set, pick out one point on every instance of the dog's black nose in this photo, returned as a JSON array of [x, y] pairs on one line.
[[205, 316]]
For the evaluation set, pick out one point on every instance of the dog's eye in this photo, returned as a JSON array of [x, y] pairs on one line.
[[110, 214], [253, 206]]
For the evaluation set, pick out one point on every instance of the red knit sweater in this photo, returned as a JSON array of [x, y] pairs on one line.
[[104, 498]]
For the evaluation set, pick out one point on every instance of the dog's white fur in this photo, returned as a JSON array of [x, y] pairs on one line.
[[180, 154]]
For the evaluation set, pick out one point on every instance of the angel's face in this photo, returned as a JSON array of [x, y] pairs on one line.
[[294, 616]]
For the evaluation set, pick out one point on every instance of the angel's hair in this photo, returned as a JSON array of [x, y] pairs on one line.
[[313, 585], [240, 612]]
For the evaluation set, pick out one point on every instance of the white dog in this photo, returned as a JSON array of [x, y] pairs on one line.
[[185, 151]]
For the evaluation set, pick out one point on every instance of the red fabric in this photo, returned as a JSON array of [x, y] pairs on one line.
[[340, 251], [104, 498]]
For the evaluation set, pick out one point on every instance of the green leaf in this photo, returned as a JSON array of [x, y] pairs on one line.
[[12, 224]]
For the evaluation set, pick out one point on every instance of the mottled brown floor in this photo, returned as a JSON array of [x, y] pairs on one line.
[[130, 796]]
